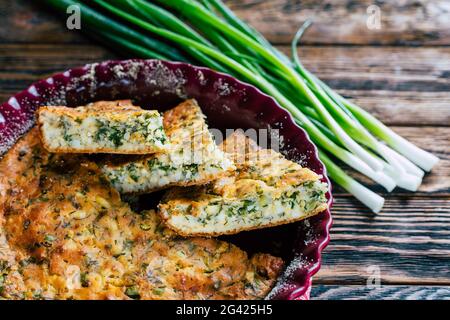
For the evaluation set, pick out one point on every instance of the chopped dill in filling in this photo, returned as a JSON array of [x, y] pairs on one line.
[[265, 190], [117, 133], [99, 128], [193, 157], [259, 209]]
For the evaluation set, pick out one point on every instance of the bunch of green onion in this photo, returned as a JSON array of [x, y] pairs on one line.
[[208, 33]]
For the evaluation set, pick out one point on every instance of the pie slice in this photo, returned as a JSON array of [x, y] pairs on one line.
[[266, 190], [102, 127], [193, 157]]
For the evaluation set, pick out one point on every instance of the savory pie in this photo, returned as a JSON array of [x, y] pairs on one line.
[[265, 190], [66, 234], [102, 127], [193, 158]]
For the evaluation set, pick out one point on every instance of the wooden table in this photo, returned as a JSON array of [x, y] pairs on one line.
[[400, 73]]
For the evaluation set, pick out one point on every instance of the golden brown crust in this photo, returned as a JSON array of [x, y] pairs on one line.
[[207, 179], [184, 112], [61, 150], [65, 234], [117, 105], [238, 147], [95, 107], [68, 150], [244, 150], [259, 271]]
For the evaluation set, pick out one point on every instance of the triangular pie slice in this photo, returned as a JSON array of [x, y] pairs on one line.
[[266, 190], [102, 127], [193, 157]]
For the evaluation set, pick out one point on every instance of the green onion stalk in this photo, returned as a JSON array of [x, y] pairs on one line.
[[208, 33]]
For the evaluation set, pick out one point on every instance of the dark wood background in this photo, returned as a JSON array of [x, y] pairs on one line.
[[401, 73]]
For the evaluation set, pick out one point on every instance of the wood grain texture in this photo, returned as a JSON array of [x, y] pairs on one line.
[[22, 64], [327, 292], [385, 68], [403, 22], [33, 22], [409, 241], [403, 86]]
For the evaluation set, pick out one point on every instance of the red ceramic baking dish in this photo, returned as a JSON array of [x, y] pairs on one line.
[[228, 104]]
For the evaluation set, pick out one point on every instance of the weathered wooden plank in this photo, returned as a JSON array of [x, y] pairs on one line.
[[32, 22], [335, 21], [380, 68], [402, 86], [23, 64], [30, 59], [403, 22], [409, 242], [343, 292], [404, 108]]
